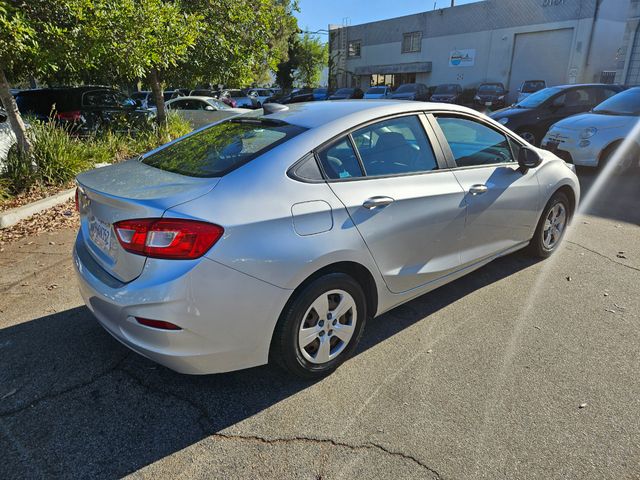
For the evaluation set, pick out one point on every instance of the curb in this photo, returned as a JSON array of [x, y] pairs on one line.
[[14, 215]]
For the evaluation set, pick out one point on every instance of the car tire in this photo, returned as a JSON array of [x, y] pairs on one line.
[[530, 136], [627, 164], [551, 226], [321, 350]]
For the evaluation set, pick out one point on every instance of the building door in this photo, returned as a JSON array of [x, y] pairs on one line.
[[633, 72], [540, 56]]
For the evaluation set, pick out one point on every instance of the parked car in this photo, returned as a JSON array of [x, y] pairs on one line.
[[297, 95], [276, 237], [532, 117], [238, 99], [447, 93], [347, 93], [591, 139], [145, 98], [411, 91], [204, 92], [320, 94], [201, 111], [491, 95], [81, 109], [378, 92], [7, 138], [261, 95], [530, 86]]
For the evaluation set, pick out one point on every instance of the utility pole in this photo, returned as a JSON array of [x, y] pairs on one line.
[[453, 3]]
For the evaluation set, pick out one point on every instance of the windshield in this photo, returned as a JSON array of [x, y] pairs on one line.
[[222, 147], [624, 103], [406, 88], [376, 90], [536, 99], [448, 88], [236, 93], [532, 86], [490, 88]]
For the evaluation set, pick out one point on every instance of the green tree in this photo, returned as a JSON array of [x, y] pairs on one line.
[[312, 57], [131, 39]]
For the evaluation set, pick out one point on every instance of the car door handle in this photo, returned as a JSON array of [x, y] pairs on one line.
[[375, 202], [478, 189]]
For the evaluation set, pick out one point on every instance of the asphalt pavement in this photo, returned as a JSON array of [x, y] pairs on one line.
[[522, 369]]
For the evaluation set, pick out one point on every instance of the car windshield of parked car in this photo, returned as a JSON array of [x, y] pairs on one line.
[[344, 91], [490, 88], [624, 103], [449, 88], [532, 86], [236, 93], [407, 88], [377, 90], [536, 99], [222, 147]]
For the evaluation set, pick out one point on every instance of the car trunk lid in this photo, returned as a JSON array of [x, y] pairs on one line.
[[129, 190]]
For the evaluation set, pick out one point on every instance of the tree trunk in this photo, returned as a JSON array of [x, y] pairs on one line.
[[15, 119], [156, 88]]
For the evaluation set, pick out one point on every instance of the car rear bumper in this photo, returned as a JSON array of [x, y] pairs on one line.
[[227, 317]]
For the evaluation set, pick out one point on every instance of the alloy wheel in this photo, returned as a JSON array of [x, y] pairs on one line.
[[327, 326], [554, 225]]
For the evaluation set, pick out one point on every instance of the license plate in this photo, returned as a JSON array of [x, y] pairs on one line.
[[100, 234], [487, 104]]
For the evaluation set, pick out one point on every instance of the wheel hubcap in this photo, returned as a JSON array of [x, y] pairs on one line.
[[327, 326], [554, 226]]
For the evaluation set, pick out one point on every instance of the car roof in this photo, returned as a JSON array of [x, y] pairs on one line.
[[353, 112], [576, 85], [195, 97]]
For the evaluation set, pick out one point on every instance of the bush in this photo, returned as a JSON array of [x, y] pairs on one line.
[[57, 157]]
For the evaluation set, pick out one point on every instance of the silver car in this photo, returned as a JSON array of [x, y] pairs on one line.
[[201, 111], [591, 139], [276, 237]]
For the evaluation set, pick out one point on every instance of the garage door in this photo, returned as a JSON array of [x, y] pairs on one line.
[[540, 56]]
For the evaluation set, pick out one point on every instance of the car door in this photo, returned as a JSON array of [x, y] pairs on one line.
[[571, 102], [409, 211], [502, 202]]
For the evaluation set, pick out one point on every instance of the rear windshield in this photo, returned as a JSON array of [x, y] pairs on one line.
[[43, 102], [216, 150]]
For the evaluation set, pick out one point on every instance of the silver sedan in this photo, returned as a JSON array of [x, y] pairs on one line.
[[276, 237]]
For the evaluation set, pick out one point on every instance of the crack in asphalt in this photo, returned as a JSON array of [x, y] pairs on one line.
[[603, 256], [204, 415], [53, 395]]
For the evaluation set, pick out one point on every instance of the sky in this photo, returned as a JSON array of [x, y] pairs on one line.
[[318, 14]]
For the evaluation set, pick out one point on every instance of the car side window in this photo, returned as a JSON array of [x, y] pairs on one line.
[[340, 161], [473, 143], [179, 105], [395, 146], [578, 97]]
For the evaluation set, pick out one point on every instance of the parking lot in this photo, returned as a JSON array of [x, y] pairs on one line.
[[522, 369]]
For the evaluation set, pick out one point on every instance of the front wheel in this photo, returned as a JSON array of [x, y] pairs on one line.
[[321, 327], [551, 227]]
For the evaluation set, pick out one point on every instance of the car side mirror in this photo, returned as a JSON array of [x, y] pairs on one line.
[[528, 158], [210, 108]]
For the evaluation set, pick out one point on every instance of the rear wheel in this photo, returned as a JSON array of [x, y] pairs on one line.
[[551, 226], [321, 327]]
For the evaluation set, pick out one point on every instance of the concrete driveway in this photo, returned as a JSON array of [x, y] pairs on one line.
[[521, 370]]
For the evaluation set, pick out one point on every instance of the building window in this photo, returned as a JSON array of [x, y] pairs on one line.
[[411, 42], [393, 80], [354, 48]]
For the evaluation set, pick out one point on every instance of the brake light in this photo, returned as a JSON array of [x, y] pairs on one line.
[[160, 324], [167, 238], [72, 116]]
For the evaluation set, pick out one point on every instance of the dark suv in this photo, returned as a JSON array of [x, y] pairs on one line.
[[532, 117], [490, 95], [447, 93], [81, 109]]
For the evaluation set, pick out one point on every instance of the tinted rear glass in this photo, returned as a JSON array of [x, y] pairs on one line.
[[222, 147], [42, 102]]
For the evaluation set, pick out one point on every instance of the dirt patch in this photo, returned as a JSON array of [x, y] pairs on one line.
[[55, 218]]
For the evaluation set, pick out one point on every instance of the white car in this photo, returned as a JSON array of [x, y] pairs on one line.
[[201, 111], [590, 139], [378, 92], [7, 138], [261, 95]]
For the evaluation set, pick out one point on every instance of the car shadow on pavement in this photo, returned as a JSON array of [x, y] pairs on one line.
[[76, 403]]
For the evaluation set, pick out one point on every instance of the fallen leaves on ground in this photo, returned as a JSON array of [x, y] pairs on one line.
[[52, 219], [32, 195]]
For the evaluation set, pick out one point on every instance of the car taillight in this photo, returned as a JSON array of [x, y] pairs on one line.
[[167, 238], [73, 116]]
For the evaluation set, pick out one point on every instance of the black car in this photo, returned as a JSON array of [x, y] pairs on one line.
[[81, 109], [346, 93], [411, 91], [532, 117], [490, 95], [447, 93], [298, 95]]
